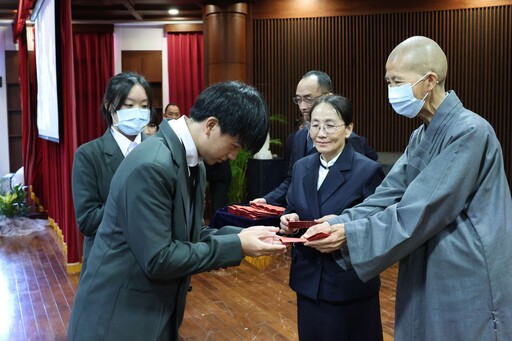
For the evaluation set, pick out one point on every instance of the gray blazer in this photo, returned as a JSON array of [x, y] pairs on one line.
[[94, 165], [148, 245]]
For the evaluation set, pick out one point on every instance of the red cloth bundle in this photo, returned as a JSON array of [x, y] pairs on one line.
[[274, 210], [255, 211]]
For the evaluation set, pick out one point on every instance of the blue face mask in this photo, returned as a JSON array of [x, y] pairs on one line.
[[403, 101], [131, 121]]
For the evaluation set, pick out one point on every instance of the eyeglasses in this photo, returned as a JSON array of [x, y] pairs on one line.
[[328, 129], [297, 100]]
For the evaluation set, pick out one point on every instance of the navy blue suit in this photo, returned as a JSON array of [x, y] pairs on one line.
[[315, 276], [299, 150], [360, 144]]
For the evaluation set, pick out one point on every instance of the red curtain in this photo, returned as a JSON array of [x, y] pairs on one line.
[[28, 90], [186, 68], [93, 65], [57, 158], [50, 161], [18, 25]]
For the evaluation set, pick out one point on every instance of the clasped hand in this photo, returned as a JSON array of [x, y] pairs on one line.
[[333, 242]]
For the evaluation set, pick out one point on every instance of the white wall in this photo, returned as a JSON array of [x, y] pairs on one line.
[[142, 38], [6, 44]]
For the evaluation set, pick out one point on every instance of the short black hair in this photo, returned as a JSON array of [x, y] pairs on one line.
[[117, 90], [171, 103], [323, 80], [341, 104], [156, 117], [240, 109]]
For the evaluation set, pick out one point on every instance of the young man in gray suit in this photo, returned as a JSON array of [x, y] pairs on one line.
[[151, 239]]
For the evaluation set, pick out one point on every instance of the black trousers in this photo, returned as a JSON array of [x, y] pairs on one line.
[[356, 320]]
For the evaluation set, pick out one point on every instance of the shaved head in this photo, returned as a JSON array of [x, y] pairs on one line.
[[420, 55]]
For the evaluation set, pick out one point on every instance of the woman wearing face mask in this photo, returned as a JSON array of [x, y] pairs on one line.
[[332, 304], [126, 108]]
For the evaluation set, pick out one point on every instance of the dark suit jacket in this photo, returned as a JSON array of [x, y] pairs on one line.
[[299, 150], [350, 180], [94, 165], [360, 144], [149, 243]]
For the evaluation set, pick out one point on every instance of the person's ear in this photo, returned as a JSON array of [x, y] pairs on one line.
[[348, 130], [210, 124], [432, 80]]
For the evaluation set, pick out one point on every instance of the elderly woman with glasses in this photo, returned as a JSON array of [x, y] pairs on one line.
[[332, 304]]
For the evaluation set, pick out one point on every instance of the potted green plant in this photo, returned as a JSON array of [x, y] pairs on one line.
[[238, 188], [12, 203]]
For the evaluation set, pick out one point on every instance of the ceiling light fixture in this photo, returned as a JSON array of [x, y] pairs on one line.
[[173, 11]]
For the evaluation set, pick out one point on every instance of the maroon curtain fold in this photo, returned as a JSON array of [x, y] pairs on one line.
[[93, 55], [66, 211], [186, 68], [18, 25], [28, 94]]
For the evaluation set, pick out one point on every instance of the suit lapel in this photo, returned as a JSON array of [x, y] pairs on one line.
[[179, 157], [301, 144], [113, 154], [336, 176], [309, 183], [198, 209]]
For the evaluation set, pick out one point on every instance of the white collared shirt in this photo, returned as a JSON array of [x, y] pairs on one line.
[[123, 142], [181, 129], [323, 169]]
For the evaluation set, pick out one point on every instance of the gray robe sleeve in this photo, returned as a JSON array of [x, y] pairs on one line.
[[387, 194], [385, 228]]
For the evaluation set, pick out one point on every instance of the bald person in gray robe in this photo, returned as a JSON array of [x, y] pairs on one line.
[[444, 212]]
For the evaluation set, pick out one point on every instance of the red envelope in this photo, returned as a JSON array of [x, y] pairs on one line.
[[289, 240], [319, 235], [304, 224]]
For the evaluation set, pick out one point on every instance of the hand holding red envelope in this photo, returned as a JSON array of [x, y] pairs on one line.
[[301, 224], [319, 235]]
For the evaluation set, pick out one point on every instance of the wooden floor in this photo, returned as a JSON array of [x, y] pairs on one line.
[[241, 303]]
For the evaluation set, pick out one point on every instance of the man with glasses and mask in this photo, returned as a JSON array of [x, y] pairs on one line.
[[311, 86], [444, 212]]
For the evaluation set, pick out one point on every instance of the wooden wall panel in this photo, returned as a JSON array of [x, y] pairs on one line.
[[273, 9], [353, 51]]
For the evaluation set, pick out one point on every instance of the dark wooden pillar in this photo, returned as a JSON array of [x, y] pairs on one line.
[[225, 43]]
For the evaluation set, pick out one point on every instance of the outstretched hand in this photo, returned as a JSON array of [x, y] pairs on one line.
[[333, 242], [260, 241]]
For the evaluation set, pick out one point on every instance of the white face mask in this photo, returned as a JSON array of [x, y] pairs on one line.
[[131, 121], [403, 101]]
